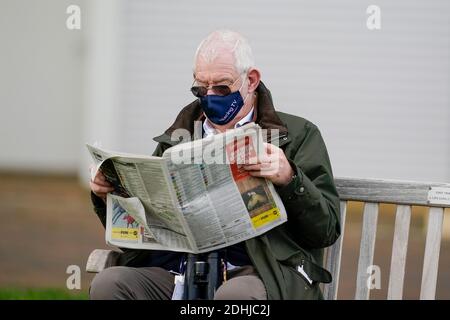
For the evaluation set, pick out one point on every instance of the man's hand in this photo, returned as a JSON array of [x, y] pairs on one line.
[[99, 186], [273, 166]]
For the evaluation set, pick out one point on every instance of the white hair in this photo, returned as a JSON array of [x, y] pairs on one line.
[[235, 42]]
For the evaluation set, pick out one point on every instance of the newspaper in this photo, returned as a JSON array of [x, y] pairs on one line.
[[195, 198]]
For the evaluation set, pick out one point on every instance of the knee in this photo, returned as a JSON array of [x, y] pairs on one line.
[[242, 288], [110, 284]]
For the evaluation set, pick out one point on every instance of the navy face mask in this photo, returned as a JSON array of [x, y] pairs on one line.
[[222, 109]]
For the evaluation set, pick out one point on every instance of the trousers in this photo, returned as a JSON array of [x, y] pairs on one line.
[[153, 283]]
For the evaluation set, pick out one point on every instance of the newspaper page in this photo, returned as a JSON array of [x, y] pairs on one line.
[[193, 199], [140, 212], [221, 203]]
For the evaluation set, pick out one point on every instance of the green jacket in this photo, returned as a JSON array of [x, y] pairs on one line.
[[311, 202]]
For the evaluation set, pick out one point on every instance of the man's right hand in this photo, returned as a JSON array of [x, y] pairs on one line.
[[99, 186]]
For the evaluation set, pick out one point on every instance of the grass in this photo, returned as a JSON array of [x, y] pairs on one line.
[[41, 294]]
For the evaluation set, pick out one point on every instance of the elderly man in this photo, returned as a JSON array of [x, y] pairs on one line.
[[283, 263]]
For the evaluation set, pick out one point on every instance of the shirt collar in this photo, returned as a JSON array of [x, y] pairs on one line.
[[210, 130]]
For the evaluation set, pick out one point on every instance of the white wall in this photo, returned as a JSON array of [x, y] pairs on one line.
[[381, 98], [40, 87], [102, 80]]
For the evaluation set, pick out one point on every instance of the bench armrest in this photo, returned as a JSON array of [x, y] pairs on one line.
[[100, 259]]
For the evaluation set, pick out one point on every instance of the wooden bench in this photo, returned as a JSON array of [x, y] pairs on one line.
[[404, 194], [372, 192]]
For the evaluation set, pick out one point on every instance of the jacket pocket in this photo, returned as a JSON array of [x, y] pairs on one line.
[[298, 283], [302, 277], [307, 269], [288, 253]]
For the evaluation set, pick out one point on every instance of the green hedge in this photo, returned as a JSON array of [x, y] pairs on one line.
[[41, 294]]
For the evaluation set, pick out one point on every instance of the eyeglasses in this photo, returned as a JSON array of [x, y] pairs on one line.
[[220, 90]]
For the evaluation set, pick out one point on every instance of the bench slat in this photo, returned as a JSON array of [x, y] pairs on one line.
[[431, 258], [366, 250], [399, 249], [334, 259], [387, 191]]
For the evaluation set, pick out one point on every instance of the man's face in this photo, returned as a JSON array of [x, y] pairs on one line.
[[221, 71]]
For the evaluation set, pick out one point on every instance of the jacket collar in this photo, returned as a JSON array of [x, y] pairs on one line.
[[266, 117]]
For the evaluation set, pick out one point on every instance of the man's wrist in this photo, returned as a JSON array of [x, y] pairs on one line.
[[292, 176]]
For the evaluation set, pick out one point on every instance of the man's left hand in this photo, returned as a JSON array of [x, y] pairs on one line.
[[273, 166]]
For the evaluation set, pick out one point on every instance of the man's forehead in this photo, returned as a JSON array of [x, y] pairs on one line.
[[220, 68], [215, 76]]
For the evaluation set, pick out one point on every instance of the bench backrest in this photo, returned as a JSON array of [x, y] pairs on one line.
[[404, 194]]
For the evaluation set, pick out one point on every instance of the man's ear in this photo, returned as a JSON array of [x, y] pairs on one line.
[[254, 76]]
